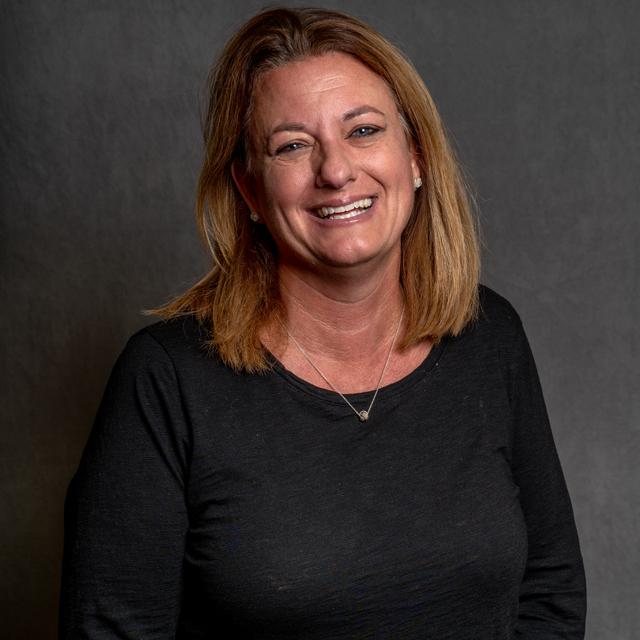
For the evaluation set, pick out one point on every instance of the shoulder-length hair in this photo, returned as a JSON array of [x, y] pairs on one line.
[[239, 295]]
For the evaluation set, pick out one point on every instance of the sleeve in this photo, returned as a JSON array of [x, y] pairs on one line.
[[125, 512], [552, 594]]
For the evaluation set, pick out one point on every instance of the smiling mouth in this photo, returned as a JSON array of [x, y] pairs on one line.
[[346, 211]]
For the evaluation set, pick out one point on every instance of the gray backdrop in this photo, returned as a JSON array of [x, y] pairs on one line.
[[99, 128]]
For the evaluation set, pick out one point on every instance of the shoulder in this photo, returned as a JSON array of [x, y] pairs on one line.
[[495, 309], [175, 338], [497, 317], [164, 349], [500, 327], [496, 334]]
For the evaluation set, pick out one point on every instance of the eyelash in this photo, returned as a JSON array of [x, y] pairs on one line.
[[359, 132], [369, 129], [287, 148]]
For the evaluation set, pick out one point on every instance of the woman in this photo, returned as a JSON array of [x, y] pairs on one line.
[[336, 433]]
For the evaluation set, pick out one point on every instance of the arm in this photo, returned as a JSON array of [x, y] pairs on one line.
[[125, 514], [552, 594]]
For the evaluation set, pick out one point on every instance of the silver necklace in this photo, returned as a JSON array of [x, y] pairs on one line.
[[363, 415]]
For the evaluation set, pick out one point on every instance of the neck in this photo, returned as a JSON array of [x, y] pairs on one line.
[[348, 328], [341, 317]]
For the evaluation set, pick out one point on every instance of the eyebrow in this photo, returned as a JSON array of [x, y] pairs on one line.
[[349, 115], [358, 111]]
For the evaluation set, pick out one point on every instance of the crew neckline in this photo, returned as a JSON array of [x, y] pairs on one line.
[[427, 365]]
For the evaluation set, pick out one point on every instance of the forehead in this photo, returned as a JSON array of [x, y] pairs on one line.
[[317, 87]]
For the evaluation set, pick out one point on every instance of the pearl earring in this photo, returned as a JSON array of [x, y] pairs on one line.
[[417, 182], [254, 216]]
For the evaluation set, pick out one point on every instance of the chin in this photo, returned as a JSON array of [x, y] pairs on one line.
[[354, 258]]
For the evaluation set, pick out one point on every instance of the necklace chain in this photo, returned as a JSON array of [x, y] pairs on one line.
[[363, 415]]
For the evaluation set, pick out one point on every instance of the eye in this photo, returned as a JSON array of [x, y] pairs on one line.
[[364, 131], [289, 147]]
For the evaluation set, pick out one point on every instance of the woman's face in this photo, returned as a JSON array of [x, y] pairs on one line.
[[334, 171]]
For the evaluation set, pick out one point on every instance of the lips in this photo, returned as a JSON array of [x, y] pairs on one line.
[[344, 211]]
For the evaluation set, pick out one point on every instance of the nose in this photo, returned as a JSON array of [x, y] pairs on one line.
[[335, 167]]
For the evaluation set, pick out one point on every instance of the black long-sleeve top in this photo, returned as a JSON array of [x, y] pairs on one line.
[[211, 504]]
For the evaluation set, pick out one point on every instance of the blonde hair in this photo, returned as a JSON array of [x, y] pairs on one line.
[[440, 261]]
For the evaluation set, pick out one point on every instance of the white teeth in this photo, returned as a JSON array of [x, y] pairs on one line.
[[351, 214], [365, 203]]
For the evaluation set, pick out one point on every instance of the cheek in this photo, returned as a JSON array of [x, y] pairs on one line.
[[392, 165], [284, 186]]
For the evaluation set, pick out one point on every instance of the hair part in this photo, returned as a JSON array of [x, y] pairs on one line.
[[240, 294]]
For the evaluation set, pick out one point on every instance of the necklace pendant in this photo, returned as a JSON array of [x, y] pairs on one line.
[[363, 415]]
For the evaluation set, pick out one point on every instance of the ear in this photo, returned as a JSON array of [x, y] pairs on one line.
[[245, 184], [415, 167]]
